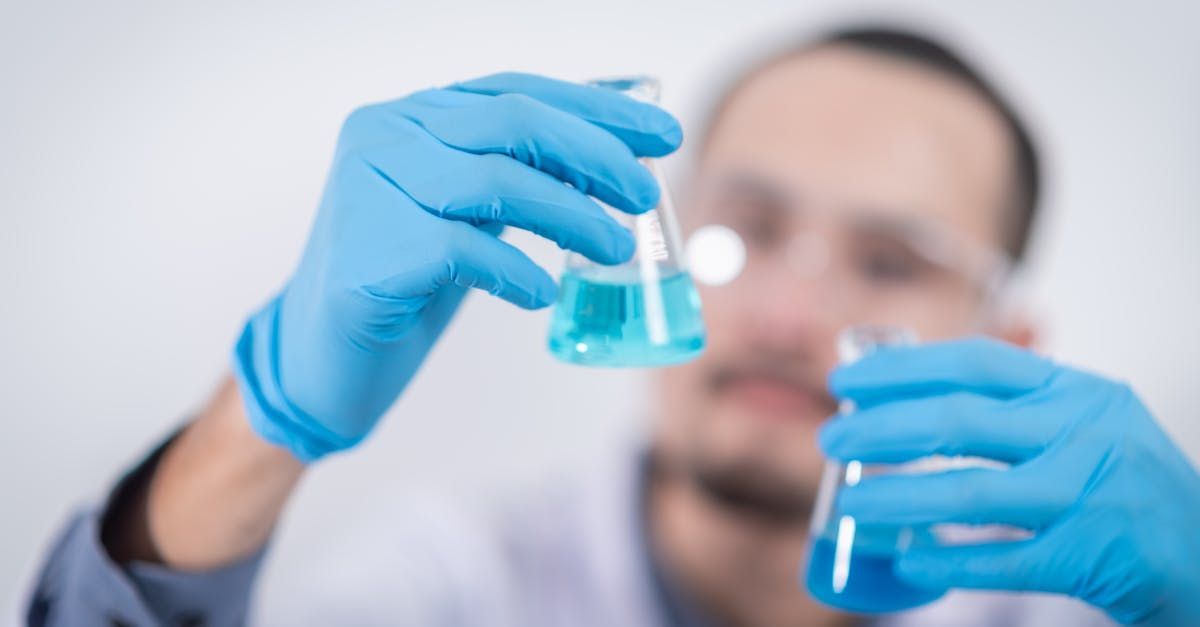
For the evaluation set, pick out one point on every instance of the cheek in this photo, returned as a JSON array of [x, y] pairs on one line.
[[722, 317], [684, 394], [683, 390], [947, 321]]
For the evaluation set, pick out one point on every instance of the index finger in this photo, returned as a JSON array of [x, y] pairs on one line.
[[646, 129], [978, 365]]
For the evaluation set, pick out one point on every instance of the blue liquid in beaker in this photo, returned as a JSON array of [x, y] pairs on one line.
[[868, 584], [602, 322]]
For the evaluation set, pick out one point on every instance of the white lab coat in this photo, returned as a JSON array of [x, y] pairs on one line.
[[568, 555]]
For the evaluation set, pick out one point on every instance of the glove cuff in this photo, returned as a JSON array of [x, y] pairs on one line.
[[271, 415]]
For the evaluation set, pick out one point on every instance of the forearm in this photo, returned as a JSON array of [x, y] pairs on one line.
[[214, 496]]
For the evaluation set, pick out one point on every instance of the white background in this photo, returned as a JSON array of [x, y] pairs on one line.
[[160, 163]]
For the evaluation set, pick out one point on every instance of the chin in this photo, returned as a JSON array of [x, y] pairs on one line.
[[770, 469], [785, 448]]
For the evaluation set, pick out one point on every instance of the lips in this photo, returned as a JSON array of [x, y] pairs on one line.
[[771, 395]]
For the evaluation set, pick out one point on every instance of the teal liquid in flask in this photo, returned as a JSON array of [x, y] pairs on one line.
[[850, 565], [641, 313]]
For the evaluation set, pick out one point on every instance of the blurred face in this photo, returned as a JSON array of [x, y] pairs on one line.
[[866, 189]]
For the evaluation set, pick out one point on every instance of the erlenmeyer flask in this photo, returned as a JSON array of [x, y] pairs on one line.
[[644, 312], [850, 565]]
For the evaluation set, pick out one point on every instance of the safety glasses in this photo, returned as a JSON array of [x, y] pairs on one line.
[[863, 266]]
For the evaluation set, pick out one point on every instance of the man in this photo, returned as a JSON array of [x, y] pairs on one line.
[[873, 178]]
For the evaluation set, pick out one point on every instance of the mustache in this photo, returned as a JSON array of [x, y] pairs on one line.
[[789, 370]]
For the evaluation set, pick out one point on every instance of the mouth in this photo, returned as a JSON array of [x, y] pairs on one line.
[[774, 396]]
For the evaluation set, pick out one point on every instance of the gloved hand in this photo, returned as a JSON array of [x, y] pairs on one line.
[[419, 190], [1113, 504]]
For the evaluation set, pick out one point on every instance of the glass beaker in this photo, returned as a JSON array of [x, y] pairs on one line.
[[850, 565], [644, 312]]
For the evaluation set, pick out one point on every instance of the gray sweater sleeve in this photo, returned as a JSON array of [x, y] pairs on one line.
[[79, 584]]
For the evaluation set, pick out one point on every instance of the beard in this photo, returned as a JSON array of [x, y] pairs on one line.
[[746, 488], [763, 472]]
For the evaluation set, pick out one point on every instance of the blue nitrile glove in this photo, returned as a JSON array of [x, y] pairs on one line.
[[419, 190], [1113, 504]]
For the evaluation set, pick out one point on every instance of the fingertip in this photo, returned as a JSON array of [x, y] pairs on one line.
[[635, 192], [611, 245], [660, 143], [856, 381], [544, 294], [623, 245], [616, 248], [674, 134], [630, 187], [839, 381], [830, 436], [653, 133], [539, 291], [647, 195], [670, 132]]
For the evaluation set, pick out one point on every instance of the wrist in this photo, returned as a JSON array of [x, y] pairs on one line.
[[267, 409], [218, 489]]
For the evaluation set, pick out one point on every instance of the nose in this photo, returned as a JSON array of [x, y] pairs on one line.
[[788, 309]]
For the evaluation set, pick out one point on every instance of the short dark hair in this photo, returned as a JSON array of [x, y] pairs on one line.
[[925, 50]]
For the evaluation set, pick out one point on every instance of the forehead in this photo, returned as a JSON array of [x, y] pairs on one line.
[[845, 129]]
